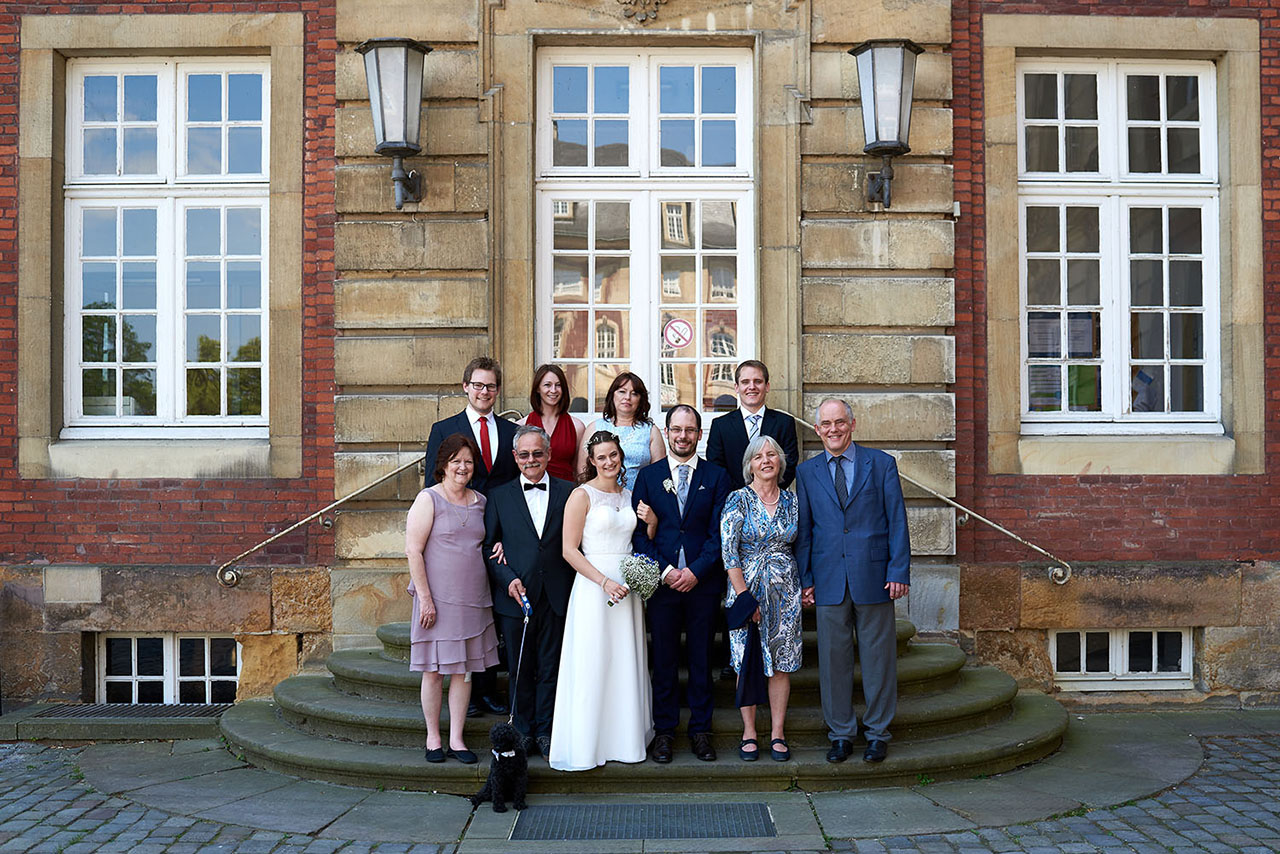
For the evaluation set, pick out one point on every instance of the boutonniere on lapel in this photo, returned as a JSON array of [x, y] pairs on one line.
[[669, 486]]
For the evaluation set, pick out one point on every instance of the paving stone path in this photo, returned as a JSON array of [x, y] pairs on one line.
[[1231, 804]]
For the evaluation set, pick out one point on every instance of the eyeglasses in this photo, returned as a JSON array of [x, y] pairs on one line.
[[530, 455], [489, 387]]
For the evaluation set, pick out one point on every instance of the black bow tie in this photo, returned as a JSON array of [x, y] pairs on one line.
[[529, 486]]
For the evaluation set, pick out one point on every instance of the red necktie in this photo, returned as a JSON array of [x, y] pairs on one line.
[[485, 448]]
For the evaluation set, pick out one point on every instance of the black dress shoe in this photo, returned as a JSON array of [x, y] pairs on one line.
[[841, 749], [473, 711], [700, 744], [544, 746], [493, 705], [876, 751], [662, 748], [727, 673]]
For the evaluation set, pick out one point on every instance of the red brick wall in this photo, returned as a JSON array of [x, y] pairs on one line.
[[179, 521], [1095, 517]]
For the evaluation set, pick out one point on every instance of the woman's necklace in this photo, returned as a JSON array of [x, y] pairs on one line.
[[458, 513], [774, 503]]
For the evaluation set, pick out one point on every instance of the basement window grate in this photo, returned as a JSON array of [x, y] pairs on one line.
[[134, 711], [645, 821]]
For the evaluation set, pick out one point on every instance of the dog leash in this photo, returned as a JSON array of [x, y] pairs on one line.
[[514, 678]]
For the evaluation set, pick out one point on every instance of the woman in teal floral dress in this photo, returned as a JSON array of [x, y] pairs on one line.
[[756, 532]]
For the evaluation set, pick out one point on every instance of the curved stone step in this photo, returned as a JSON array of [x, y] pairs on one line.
[[313, 703], [394, 637], [922, 668], [1034, 729]]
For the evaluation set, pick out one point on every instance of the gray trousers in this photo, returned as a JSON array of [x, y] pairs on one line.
[[873, 630]]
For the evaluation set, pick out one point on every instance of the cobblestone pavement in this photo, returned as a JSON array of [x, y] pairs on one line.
[[1231, 804]]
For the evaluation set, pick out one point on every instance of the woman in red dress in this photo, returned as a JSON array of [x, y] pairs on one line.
[[549, 398]]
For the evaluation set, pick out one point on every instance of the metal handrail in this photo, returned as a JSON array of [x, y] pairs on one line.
[[1060, 574], [229, 577]]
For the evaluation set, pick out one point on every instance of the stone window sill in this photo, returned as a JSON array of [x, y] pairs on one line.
[[1103, 455]]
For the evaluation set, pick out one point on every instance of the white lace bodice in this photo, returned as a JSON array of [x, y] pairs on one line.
[[610, 522]]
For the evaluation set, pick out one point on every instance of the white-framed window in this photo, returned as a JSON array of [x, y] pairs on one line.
[[1118, 237], [166, 247], [1121, 659], [646, 233], [167, 668]]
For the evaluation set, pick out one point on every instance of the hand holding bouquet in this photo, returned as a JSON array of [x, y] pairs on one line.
[[641, 575]]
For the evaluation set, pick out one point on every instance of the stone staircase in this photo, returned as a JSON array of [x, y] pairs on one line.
[[362, 725]]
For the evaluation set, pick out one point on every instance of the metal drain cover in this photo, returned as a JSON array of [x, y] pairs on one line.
[[129, 710], [644, 821]]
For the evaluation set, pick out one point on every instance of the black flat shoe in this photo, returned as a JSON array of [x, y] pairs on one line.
[[466, 757], [748, 755], [779, 755], [493, 705], [435, 755]]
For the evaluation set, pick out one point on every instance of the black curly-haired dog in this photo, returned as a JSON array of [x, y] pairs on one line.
[[508, 772]]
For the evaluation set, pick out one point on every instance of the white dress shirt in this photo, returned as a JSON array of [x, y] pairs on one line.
[[536, 499], [675, 464], [491, 424], [746, 419]]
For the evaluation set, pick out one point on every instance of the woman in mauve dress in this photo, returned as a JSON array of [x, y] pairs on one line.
[[451, 629]]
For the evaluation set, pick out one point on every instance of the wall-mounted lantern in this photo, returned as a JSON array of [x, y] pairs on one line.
[[393, 72], [886, 79]]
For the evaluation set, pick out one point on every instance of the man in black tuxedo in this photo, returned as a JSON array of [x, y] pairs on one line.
[[686, 494], [731, 432], [526, 516], [494, 436]]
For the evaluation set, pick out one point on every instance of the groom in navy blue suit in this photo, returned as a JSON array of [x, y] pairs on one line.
[[686, 495]]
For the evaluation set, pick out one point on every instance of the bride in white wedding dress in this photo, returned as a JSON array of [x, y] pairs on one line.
[[603, 696]]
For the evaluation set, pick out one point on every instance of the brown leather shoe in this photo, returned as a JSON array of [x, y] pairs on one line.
[[663, 746], [700, 742]]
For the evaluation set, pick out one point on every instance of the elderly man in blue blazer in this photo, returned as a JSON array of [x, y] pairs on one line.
[[854, 554]]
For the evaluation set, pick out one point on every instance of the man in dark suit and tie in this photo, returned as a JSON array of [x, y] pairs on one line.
[[854, 555], [686, 495], [481, 380], [526, 515], [731, 432]]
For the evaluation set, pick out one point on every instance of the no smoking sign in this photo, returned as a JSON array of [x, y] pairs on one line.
[[678, 333]]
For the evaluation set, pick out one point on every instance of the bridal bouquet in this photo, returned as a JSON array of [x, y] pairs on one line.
[[641, 575]]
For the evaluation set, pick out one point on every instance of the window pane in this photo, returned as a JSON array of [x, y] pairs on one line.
[[612, 335], [150, 656], [100, 151], [676, 141], [1169, 652], [222, 656], [570, 224], [1084, 282], [119, 692], [1082, 149], [191, 692], [244, 391], [721, 331], [578, 377], [204, 396], [100, 99], [1184, 150], [571, 333], [1184, 231], [119, 657], [139, 392], [1043, 287], [1082, 230], [204, 284], [98, 339], [244, 231], [1186, 389], [139, 338], [222, 691], [1067, 647], [204, 338], [1185, 341], [140, 231], [139, 98], [1097, 652], [1143, 96], [679, 285], [1042, 229], [1146, 283], [139, 151], [98, 285], [244, 151], [719, 143], [569, 89], [1081, 91], [1041, 92], [612, 93], [204, 231], [673, 335], [244, 97], [1084, 335], [204, 98], [98, 391], [570, 144], [613, 225], [677, 225], [720, 275], [244, 284], [1146, 231], [1147, 335], [1084, 388], [718, 389], [679, 383], [1043, 335], [99, 228], [613, 280], [611, 143], [719, 225], [569, 278], [675, 84], [191, 657], [139, 284], [204, 151], [1183, 98], [1044, 388], [719, 93], [1042, 149], [1140, 652], [151, 691], [1147, 387], [244, 338], [1185, 283], [1144, 150]]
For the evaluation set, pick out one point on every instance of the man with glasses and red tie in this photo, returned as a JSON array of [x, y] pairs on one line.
[[495, 436]]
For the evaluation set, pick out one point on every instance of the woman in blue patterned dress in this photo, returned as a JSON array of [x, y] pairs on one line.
[[756, 532], [626, 415]]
